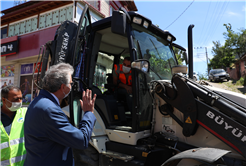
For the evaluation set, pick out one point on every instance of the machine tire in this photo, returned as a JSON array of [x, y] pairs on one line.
[[86, 157]]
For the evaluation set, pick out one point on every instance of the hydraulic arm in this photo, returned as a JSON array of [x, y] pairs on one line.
[[219, 115]]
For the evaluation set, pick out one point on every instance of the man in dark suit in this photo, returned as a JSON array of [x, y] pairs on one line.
[[49, 136]]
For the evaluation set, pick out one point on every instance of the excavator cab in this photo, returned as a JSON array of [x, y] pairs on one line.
[[103, 44]]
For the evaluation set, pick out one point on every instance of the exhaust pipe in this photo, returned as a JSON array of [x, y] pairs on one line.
[[190, 51]]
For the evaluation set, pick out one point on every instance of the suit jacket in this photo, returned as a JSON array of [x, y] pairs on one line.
[[49, 135]]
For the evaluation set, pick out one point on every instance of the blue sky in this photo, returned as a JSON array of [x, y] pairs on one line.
[[208, 16]]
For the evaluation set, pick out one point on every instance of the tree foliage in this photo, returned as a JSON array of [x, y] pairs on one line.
[[202, 76], [224, 55], [179, 55]]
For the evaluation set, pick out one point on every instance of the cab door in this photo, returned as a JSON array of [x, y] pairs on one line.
[[79, 86]]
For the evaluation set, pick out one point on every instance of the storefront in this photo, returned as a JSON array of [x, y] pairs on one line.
[[28, 26]]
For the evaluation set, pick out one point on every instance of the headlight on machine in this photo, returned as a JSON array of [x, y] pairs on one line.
[[137, 20], [146, 24], [140, 21]]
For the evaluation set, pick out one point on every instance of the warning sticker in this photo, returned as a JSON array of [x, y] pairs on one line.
[[188, 120]]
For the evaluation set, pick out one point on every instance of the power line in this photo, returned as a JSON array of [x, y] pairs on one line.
[[211, 22], [216, 21], [206, 55], [202, 60], [180, 15], [221, 14], [204, 23]]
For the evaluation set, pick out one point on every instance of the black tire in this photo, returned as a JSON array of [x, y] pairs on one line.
[[86, 157]]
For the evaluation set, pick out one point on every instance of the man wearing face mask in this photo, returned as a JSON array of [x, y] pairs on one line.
[[122, 78], [49, 136], [13, 150]]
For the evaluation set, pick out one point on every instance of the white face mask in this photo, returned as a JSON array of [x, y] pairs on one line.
[[15, 106], [126, 69], [67, 93]]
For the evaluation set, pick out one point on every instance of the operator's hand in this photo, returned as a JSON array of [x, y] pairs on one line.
[[87, 104], [128, 89]]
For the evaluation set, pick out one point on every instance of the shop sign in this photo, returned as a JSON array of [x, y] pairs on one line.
[[27, 68], [9, 48], [38, 66]]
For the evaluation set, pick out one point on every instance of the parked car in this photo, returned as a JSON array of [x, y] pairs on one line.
[[218, 75]]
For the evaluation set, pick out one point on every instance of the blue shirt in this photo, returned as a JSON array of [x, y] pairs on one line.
[[55, 98], [7, 121]]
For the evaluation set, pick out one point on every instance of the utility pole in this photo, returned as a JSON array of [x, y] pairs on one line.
[[206, 56]]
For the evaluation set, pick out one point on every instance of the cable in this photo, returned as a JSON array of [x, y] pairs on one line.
[[224, 7], [218, 17], [200, 59], [212, 18], [204, 23], [180, 15]]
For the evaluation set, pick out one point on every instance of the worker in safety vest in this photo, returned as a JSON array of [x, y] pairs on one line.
[[13, 150], [122, 78]]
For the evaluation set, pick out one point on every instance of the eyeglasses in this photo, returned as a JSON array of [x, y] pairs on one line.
[[16, 99]]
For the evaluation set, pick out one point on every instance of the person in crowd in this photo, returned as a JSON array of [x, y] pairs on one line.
[[13, 150], [27, 87], [122, 78], [4, 85], [49, 137], [10, 83]]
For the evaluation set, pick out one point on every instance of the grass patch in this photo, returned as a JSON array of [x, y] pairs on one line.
[[235, 86]]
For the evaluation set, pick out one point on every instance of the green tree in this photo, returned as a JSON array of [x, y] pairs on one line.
[[224, 55], [179, 55], [202, 76]]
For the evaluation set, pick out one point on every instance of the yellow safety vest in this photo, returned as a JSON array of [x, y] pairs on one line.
[[13, 151]]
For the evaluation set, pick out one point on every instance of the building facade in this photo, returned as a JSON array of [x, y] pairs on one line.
[[239, 68], [28, 26]]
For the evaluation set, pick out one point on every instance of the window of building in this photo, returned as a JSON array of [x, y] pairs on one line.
[[23, 26], [93, 19], [111, 9], [4, 32]]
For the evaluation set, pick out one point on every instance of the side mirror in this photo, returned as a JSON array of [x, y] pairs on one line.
[[118, 23], [141, 65]]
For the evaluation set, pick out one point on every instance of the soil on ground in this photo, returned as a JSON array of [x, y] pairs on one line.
[[229, 86]]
